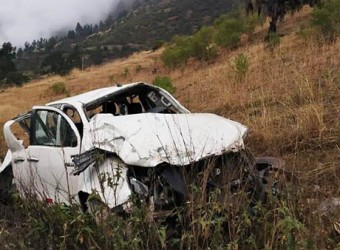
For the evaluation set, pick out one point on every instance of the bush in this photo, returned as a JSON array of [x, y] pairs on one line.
[[199, 46], [174, 56], [164, 82], [178, 53], [240, 66], [229, 31], [226, 32], [326, 18], [59, 88], [202, 46]]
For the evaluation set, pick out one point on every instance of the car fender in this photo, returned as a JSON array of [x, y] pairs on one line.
[[107, 179]]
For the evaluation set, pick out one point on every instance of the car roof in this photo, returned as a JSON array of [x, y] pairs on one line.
[[93, 95]]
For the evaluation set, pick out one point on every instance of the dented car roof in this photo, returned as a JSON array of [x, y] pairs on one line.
[[93, 95]]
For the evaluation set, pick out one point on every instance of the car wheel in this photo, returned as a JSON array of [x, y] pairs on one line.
[[275, 180]]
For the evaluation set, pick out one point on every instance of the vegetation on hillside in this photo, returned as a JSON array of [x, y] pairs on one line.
[[203, 45], [227, 31], [8, 71], [326, 18], [288, 97], [276, 9], [137, 27]]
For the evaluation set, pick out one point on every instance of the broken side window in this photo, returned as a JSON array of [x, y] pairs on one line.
[[74, 115], [21, 129], [51, 129]]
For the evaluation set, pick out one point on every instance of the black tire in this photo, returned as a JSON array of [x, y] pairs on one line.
[[6, 180]]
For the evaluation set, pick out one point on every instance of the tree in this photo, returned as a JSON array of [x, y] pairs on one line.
[[52, 41], [55, 63], [20, 52], [8, 72], [71, 34], [96, 56], [275, 9], [7, 54], [79, 29], [62, 64], [27, 47], [74, 58]]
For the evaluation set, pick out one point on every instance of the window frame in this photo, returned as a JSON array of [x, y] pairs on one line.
[[35, 119]]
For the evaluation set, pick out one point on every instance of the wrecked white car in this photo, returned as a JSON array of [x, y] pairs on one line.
[[124, 140]]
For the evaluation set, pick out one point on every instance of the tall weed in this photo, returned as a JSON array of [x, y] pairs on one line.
[[240, 66]]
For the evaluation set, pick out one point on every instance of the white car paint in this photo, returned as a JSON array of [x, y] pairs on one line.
[[145, 139], [149, 139]]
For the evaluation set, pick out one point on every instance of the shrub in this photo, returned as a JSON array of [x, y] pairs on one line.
[[226, 32], [326, 18], [202, 46], [199, 46], [229, 31], [240, 66], [174, 56], [59, 88], [164, 82], [178, 53]]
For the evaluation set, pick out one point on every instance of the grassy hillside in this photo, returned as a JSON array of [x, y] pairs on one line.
[[161, 20], [289, 98], [135, 29]]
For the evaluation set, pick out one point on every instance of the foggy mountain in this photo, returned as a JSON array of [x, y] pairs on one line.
[[26, 20], [128, 26]]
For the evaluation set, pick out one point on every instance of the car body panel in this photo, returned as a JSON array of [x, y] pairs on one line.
[[149, 139], [146, 140], [108, 180], [42, 170]]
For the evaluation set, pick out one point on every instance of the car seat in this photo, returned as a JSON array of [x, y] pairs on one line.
[[134, 108]]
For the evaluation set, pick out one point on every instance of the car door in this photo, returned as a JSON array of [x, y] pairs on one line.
[[43, 169]]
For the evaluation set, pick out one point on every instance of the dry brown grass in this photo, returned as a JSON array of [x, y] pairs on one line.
[[289, 99]]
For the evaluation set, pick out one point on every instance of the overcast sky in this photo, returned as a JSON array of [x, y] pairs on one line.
[[26, 20]]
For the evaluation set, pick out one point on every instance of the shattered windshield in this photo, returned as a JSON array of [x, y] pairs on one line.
[[139, 99]]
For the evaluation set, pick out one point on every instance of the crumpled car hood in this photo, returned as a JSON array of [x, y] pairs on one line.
[[149, 139]]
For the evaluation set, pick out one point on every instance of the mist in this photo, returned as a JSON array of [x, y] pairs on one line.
[[26, 20]]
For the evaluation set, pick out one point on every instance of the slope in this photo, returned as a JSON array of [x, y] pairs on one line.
[[289, 98]]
